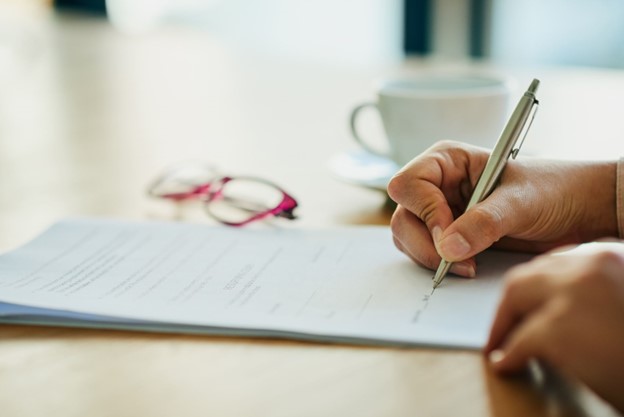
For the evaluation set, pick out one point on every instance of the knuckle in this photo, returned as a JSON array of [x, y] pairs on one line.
[[515, 281], [597, 268], [428, 210], [607, 258], [397, 187], [445, 144], [584, 277], [513, 285], [514, 274]]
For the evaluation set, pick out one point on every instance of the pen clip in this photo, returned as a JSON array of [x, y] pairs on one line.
[[514, 152]]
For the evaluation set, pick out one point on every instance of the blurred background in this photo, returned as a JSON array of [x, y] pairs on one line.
[[555, 32], [96, 96]]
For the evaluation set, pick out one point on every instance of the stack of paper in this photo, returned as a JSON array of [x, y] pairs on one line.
[[343, 284]]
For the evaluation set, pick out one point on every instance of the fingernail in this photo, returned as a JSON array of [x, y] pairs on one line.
[[454, 247], [496, 356], [437, 233], [464, 269]]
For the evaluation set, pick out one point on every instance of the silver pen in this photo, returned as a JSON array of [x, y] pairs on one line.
[[504, 149]]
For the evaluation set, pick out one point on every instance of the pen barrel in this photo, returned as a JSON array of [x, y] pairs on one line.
[[503, 149]]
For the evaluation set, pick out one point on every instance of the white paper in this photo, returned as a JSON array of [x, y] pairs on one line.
[[341, 284]]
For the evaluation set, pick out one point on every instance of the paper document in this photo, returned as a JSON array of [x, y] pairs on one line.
[[341, 284]]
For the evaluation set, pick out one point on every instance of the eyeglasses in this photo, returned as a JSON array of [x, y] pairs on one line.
[[234, 201]]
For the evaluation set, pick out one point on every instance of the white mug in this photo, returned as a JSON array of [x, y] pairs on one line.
[[419, 111]]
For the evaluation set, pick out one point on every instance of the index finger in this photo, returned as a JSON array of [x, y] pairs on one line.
[[443, 176], [526, 289], [419, 187]]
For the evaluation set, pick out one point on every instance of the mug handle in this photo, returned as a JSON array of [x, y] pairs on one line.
[[357, 136]]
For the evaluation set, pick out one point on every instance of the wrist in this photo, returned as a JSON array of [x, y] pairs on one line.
[[605, 205]]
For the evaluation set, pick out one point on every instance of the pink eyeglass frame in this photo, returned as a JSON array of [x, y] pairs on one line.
[[213, 190]]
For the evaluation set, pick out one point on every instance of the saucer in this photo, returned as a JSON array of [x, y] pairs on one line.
[[363, 168]]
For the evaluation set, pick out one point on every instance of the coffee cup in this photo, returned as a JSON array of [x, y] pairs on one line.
[[418, 111]]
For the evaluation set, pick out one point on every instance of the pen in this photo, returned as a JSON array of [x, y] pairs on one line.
[[504, 149]]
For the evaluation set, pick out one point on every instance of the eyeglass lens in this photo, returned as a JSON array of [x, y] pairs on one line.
[[240, 199], [184, 179]]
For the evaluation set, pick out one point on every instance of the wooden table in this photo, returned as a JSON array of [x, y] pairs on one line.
[[91, 116]]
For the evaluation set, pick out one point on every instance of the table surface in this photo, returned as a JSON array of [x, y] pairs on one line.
[[88, 116]]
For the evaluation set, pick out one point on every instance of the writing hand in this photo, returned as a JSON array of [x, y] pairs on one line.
[[538, 205]]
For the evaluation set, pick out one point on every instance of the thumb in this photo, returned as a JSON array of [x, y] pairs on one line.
[[475, 230]]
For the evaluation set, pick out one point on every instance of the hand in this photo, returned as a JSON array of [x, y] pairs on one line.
[[566, 309], [537, 206]]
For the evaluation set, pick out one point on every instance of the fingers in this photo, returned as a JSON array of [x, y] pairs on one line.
[[525, 343], [521, 325], [576, 327], [478, 228], [438, 183], [418, 190], [423, 210], [525, 291], [412, 237]]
